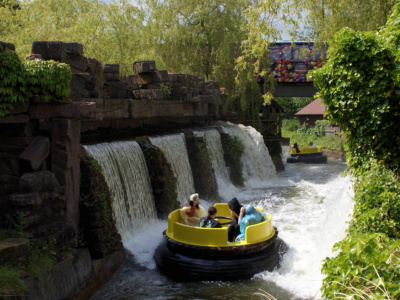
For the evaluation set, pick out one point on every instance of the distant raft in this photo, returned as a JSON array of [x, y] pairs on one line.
[[190, 253], [307, 155]]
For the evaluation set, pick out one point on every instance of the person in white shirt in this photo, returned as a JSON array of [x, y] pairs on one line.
[[313, 145]]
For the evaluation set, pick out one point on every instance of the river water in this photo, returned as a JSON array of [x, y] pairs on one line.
[[310, 206]]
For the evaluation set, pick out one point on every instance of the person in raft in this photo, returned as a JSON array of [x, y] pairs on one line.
[[249, 215], [296, 147], [209, 220], [233, 228], [192, 211], [313, 145]]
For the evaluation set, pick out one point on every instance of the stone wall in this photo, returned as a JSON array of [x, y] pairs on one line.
[[41, 147]]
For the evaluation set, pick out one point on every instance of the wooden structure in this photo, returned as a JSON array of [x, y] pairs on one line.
[[312, 112]]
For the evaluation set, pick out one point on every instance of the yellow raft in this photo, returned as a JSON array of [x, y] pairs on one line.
[[307, 155], [194, 253]]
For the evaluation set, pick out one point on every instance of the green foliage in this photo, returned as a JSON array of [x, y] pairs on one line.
[[370, 254], [11, 282], [20, 226], [290, 125], [233, 150], [356, 86], [166, 90], [42, 256], [48, 78], [377, 207], [292, 105], [304, 135], [13, 82], [21, 80], [367, 262]]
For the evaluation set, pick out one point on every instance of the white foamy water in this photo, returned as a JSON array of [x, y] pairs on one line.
[[126, 174], [257, 164], [311, 217], [174, 147]]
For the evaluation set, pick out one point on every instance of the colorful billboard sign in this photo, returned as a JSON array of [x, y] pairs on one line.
[[290, 62]]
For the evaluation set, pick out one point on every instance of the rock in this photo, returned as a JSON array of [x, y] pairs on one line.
[[117, 90], [14, 119], [6, 46], [144, 66], [73, 48], [65, 162], [36, 152], [73, 110], [111, 68], [84, 85], [9, 166], [30, 199], [49, 50], [40, 181], [111, 77], [77, 63], [14, 251], [148, 94]]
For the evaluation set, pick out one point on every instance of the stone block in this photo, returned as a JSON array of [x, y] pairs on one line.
[[20, 141], [19, 108], [30, 199], [77, 63], [111, 68], [187, 109], [206, 99], [10, 151], [9, 166], [73, 48], [148, 94], [39, 181], [94, 67], [111, 77], [140, 109], [84, 85], [14, 251], [36, 152], [115, 109], [9, 179], [6, 46], [174, 108], [148, 78], [66, 149], [14, 119], [144, 66], [49, 49], [73, 110], [117, 90], [134, 80]]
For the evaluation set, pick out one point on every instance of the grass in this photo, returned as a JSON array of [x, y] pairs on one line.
[[11, 282]]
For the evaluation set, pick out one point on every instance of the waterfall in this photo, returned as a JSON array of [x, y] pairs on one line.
[[174, 147], [214, 147], [257, 163], [124, 168], [212, 138]]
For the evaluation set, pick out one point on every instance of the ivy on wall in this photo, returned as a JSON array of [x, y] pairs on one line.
[[20, 80], [357, 87]]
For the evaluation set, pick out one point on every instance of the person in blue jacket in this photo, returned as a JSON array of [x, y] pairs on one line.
[[249, 215]]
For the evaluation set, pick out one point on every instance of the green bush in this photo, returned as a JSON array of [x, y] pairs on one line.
[[19, 81], [357, 87], [13, 82]]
